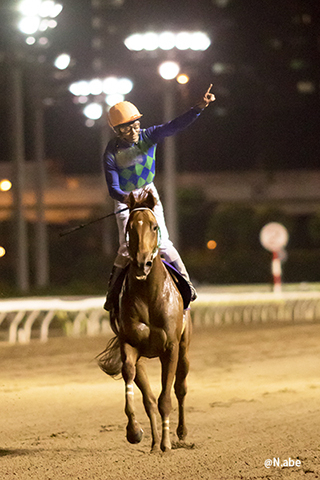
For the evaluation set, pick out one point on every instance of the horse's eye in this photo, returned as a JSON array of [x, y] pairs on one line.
[[155, 228]]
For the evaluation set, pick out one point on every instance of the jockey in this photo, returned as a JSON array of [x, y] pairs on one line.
[[129, 166]]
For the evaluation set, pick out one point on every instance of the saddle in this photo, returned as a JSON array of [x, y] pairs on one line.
[[181, 284]]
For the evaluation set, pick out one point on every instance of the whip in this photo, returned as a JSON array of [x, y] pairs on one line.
[[82, 225]]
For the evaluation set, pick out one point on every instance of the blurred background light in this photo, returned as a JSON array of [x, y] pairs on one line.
[[46, 8], [113, 88], [30, 40], [169, 70], [43, 41], [110, 85], [56, 10], [183, 41], [81, 88], [151, 41], [62, 61], [38, 15], [124, 86], [93, 111], [134, 42], [212, 244], [82, 99], [5, 185], [52, 23], [29, 25], [2, 252], [44, 25], [306, 87], [30, 7], [167, 41], [114, 98], [89, 123], [95, 86], [182, 79], [199, 41]]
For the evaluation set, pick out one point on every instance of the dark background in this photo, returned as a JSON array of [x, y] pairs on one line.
[[264, 64], [260, 119]]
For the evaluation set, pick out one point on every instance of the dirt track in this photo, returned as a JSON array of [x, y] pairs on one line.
[[254, 394]]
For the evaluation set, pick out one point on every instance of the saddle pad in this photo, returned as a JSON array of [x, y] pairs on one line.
[[181, 284]]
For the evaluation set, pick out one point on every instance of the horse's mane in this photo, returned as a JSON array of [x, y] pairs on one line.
[[144, 199]]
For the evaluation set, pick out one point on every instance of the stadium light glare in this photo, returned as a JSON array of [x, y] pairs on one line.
[[169, 70], [151, 41]]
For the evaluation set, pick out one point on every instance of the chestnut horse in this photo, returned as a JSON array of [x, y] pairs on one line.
[[151, 323]]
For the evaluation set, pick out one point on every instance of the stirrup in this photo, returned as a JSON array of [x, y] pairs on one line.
[[114, 287]]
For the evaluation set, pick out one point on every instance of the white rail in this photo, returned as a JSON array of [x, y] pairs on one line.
[[250, 307], [86, 316], [80, 314]]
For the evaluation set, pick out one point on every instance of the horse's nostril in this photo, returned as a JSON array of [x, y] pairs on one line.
[[149, 264]]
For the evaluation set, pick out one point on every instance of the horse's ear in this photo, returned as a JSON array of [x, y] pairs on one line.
[[150, 201], [131, 201]]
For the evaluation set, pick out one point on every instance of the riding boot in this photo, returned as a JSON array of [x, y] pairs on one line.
[[179, 265], [114, 287]]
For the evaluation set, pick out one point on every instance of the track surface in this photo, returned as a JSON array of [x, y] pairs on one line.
[[254, 394]]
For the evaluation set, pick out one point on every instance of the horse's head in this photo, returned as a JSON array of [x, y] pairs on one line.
[[142, 233]]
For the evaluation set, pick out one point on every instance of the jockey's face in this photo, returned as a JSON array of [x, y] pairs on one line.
[[130, 132]]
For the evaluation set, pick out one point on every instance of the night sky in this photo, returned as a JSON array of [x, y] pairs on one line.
[[259, 120]]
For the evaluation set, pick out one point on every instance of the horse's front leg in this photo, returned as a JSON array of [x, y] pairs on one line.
[[150, 403], [169, 360], [129, 360]]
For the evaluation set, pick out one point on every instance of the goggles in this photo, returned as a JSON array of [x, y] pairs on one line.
[[132, 126]]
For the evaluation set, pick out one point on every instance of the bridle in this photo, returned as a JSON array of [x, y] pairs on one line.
[[156, 249]]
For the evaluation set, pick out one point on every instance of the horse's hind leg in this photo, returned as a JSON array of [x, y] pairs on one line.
[[180, 386], [150, 403], [129, 359]]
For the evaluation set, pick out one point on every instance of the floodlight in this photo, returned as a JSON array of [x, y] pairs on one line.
[[134, 42], [167, 40], [151, 41], [169, 70], [93, 111], [114, 98], [29, 25]]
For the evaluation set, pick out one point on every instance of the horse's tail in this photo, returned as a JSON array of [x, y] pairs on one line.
[[110, 359]]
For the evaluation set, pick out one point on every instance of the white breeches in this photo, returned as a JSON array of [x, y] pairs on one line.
[[166, 248]]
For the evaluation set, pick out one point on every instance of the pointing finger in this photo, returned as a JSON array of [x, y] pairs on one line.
[[208, 91]]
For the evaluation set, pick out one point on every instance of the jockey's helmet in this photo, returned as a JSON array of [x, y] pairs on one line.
[[123, 112]]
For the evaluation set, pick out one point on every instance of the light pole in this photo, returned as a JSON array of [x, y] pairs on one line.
[[18, 152], [169, 71], [176, 42], [36, 16], [41, 234]]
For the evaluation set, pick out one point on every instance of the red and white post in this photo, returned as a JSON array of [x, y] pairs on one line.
[[276, 272]]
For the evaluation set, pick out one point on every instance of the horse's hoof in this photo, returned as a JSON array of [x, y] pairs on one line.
[[166, 450], [182, 432], [165, 446], [155, 448], [134, 436]]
